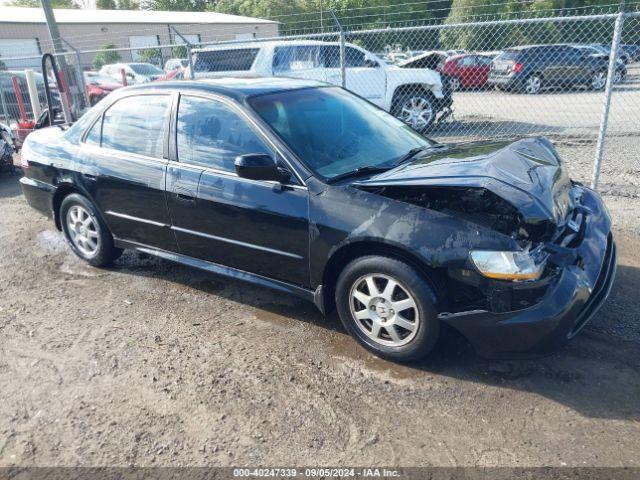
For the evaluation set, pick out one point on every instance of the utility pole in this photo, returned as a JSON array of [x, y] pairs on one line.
[[52, 25]]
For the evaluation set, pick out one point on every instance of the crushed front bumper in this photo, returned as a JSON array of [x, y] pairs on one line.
[[577, 292]]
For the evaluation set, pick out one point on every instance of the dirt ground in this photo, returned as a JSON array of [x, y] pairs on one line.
[[149, 363]]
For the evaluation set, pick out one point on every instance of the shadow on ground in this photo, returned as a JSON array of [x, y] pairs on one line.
[[596, 375], [9, 184]]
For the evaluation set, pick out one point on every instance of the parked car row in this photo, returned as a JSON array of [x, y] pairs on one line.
[[530, 68]]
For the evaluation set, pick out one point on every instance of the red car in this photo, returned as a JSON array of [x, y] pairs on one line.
[[469, 70], [99, 86]]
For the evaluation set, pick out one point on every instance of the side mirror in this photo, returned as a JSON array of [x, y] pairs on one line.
[[371, 63], [260, 166]]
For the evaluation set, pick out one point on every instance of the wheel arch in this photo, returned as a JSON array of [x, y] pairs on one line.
[[63, 190], [365, 247], [409, 88]]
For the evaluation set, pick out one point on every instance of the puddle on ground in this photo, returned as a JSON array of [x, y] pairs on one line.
[[343, 350], [51, 241], [72, 265]]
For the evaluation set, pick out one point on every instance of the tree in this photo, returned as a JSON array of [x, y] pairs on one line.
[[105, 56], [37, 4], [128, 5], [498, 37], [106, 4], [179, 51], [150, 55], [177, 5]]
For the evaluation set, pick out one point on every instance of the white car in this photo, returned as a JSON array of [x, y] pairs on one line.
[[135, 72], [175, 64], [415, 95]]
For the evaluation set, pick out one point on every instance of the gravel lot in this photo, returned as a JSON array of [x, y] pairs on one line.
[[149, 363]]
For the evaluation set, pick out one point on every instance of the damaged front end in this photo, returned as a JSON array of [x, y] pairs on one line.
[[562, 230]]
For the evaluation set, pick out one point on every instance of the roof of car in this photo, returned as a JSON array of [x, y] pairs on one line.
[[264, 44], [234, 87]]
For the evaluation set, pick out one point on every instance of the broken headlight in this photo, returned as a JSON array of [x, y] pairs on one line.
[[521, 265]]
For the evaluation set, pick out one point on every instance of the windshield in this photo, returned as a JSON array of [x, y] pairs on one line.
[[145, 69], [334, 132]]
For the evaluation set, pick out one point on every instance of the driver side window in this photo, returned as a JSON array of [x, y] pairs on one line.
[[211, 134]]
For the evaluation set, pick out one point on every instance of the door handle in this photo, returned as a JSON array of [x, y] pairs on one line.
[[185, 198]]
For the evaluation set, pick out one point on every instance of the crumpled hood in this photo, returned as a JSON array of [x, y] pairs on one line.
[[526, 173]]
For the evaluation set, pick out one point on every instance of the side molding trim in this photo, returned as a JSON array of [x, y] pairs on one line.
[[135, 219], [253, 278], [236, 242]]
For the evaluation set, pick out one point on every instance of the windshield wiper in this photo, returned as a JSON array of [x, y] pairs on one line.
[[359, 171], [411, 154]]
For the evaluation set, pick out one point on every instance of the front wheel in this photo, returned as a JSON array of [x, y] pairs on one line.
[[416, 110], [618, 77], [455, 84], [599, 80], [388, 307], [86, 233]]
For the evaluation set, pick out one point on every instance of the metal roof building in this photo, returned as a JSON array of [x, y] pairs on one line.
[[23, 31]]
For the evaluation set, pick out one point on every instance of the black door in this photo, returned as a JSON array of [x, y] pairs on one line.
[[126, 148], [256, 226]]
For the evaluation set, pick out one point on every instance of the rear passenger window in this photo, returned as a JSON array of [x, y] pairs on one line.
[[212, 135], [238, 59], [136, 125], [300, 57], [93, 137]]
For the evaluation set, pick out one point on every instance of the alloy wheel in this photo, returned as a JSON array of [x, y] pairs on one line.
[[617, 76], [533, 84], [83, 230], [384, 310], [417, 112], [599, 80], [454, 83]]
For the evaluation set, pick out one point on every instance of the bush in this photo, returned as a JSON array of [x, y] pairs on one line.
[[105, 56], [179, 51], [150, 55]]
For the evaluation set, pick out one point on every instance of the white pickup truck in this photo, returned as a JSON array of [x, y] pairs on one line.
[[415, 95]]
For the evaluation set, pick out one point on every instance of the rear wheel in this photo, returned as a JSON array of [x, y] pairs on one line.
[[533, 84], [455, 84], [86, 233], [416, 110], [388, 307]]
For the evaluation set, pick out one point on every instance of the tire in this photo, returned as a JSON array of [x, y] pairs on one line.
[[618, 77], [86, 232], [415, 109], [370, 316], [598, 80], [533, 84], [455, 84]]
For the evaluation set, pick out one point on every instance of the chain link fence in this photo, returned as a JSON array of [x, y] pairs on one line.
[[574, 79]]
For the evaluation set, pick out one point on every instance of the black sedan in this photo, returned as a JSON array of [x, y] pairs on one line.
[[311, 190]]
